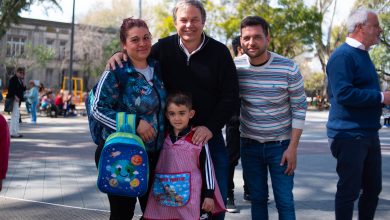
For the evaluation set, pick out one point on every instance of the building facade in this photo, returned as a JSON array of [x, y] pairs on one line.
[[31, 41]]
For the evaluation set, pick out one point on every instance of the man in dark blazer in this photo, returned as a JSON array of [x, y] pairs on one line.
[[16, 90]]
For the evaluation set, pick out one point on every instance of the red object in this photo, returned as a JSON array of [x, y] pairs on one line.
[[4, 146], [58, 101]]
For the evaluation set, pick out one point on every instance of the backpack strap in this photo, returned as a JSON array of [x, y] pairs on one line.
[[125, 122]]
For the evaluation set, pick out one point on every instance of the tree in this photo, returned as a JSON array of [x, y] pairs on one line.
[[89, 51], [163, 25], [323, 44], [326, 40], [313, 83], [109, 17], [10, 9], [293, 25]]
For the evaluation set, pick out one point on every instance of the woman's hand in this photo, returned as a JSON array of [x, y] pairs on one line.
[[145, 131], [116, 58]]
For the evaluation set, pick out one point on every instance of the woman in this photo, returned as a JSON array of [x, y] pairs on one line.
[[136, 88], [32, 98]]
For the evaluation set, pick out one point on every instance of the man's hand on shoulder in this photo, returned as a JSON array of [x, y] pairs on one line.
[[201, 135], [116, 58]]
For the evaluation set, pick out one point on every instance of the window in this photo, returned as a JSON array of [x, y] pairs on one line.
[[51, 29], [62, 49], [50, 43], [15, 46], [64, 31], [49, 77]]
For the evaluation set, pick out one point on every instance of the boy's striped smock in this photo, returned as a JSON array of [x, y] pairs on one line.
[[273, 99]]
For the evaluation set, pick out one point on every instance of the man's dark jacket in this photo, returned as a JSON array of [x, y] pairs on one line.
[[209, 75], [15, 88]]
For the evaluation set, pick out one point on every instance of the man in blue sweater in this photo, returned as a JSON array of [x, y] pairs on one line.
[[354, 118]]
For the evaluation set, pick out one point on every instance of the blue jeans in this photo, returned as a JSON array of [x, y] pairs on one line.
[[34, 111], [359, 167], [257, 159], [220, 159]]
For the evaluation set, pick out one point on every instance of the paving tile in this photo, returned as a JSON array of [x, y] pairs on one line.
[[52, 175]]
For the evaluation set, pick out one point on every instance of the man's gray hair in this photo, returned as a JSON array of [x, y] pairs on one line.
[[358, 16], [186, 3]]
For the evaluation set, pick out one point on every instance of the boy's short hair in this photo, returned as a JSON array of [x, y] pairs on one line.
[[180, 98]]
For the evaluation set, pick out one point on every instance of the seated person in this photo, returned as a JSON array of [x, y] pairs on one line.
[[47, 104], [69, 107], [59, 102]]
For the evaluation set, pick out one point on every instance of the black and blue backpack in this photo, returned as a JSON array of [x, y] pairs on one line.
[[95, 127], [123, 165]]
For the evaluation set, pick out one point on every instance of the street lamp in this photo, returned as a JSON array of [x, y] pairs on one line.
[[71, 53], [140, 8]]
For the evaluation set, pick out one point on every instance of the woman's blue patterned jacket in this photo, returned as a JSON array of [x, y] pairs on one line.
[[131, 93]]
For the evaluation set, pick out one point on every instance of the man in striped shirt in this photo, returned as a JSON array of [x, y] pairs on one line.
[[273, 110]]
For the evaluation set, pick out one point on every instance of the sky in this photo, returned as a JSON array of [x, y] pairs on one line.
[[82, 7], [37, 11]]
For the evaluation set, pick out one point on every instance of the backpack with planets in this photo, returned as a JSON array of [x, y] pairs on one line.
[[123, 165]]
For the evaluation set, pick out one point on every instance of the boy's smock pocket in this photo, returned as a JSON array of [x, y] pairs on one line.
[[173, 189]]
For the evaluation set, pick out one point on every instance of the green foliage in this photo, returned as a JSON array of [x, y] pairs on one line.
[[10, 9], [42, 55], [293, 26], [314, 82], [338, 35], [162, 25], [165, 27], [381, 58], [108, 50], [112, 47]]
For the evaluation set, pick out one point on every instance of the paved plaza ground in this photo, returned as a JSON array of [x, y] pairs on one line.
[[52, 174]]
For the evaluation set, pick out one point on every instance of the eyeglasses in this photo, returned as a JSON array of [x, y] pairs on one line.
[[137, 40], [375, 25]]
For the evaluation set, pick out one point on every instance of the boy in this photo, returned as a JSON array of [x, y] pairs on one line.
[[189, 173]]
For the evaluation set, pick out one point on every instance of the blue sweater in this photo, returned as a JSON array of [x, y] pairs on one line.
[[354, 94]]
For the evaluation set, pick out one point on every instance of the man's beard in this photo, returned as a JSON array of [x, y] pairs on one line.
[[258, 53]]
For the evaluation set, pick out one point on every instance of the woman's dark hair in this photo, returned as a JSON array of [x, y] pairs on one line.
[[180, 98], [129, 23], [236, 44], [21, 70]]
